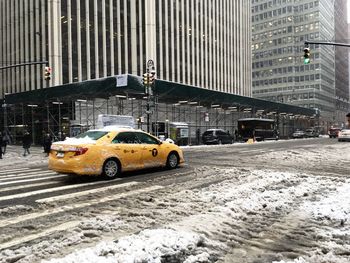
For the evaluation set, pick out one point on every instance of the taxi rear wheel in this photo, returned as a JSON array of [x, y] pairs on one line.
[[172, 161], [111, 168]]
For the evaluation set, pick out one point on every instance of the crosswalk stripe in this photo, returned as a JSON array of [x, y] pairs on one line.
[[26, 175], [33, 180], [82, 193], [11, 188], [19, 219], [14, 170], [3, 177], [46, 232], [50, 190]]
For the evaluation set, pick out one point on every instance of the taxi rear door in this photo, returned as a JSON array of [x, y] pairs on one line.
[[127, 148], [151, 150]]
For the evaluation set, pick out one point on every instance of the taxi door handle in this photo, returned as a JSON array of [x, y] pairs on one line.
[[116, 148]]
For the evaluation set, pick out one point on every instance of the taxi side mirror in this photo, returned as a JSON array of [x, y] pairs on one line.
[[160, 142]]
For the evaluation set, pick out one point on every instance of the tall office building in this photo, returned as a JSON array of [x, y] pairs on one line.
[[202, 43], [342, 62], [279, 30]]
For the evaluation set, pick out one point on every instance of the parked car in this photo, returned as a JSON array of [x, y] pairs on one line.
[[298, 134], [333, 132], [344, 135], [110, 151], [311, 133], [217, 136]]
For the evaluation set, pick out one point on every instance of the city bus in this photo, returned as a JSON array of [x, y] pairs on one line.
[[258, 129]]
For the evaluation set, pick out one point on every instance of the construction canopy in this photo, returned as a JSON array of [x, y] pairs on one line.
[[166, 91]]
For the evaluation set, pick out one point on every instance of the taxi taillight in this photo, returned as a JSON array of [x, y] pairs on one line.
[[80, 151]]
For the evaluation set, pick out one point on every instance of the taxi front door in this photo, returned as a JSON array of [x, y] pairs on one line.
[[126, 147]]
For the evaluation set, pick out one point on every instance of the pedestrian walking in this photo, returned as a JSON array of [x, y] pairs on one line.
[[26, 141], [348, 120], [236, 135], [198, 136], [5, 141], [1, 145], [47, 141]]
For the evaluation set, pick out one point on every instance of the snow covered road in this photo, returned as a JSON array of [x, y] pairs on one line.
[[283, 201]]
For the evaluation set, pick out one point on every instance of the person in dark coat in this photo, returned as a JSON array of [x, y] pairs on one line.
[[5, 141], [1, 143], [47, 141], [27, 141]]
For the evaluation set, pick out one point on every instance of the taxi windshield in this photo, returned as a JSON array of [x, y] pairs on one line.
[[93, 135]]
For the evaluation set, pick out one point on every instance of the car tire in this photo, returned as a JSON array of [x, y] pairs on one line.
[[172, 160], [111, 168]]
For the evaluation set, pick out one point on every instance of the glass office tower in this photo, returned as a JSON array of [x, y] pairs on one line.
[[279, 30]]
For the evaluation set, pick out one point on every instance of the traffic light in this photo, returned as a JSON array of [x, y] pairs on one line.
[[47, 73], [146, 79], [306, 55], [152, 77]]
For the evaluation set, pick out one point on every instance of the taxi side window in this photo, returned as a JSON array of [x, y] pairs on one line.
[[126, 137], [146, 139]]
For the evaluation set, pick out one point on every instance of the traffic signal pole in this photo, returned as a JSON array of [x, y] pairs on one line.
[[327, 43], [25, 64], [148, 82], [307, 49]]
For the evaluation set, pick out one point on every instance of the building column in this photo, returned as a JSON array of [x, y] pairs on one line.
[[55, 44], [151, 44]]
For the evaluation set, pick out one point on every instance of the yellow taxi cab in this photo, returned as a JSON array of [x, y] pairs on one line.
[[112, 150]]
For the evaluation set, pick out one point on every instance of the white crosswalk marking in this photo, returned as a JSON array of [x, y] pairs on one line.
[[44, 233], [50, 190], [19, 219], [24, 175], [33, 180], [11, 188], [14, 170], [82, 193]]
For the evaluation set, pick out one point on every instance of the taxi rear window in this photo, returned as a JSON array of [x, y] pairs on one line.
[[93, 135]]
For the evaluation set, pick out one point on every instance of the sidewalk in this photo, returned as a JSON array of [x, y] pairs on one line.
[[13, 158]]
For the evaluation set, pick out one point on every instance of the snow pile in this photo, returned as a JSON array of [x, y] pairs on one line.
[[339, 208], [153, 246], [89, 230], [298, 260]]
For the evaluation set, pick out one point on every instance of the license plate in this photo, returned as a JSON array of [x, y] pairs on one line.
[[60, 154]]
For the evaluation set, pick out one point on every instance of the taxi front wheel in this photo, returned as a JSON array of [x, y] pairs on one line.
[[172, 161], [111, 168]]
